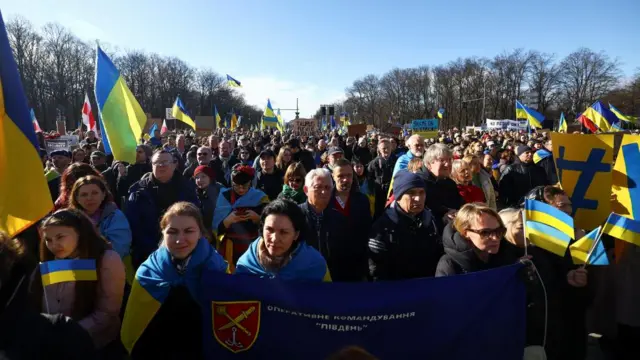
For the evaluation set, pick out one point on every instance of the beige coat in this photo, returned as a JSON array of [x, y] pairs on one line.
[[103, 324]]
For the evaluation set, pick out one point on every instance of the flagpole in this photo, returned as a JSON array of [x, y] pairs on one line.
[[524, 228]]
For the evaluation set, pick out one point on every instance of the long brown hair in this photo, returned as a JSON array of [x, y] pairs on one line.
[[91, 245], [74, 172], [280, 164], [89, 180]]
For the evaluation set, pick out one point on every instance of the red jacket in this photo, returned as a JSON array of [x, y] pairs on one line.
[[471, 193]]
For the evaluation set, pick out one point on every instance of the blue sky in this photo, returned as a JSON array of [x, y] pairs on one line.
[[313, 50]]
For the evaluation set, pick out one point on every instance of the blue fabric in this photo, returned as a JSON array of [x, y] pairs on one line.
[[143, 215], [158, 274], [252, 198], [403, 162], [115, 227], [453, 317], [306, 264], [155, 141]]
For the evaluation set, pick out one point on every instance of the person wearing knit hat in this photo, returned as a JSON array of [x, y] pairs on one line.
[[405, 242], [207, 190], [237, 214], [519, 178]]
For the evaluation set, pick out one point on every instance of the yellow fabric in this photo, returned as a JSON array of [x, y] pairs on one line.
[[141, 308]]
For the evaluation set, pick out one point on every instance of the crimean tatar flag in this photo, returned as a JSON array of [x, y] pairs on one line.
[[24, 194], [179, 111], [58, 271], [122, 117], [534, 118], [87, 115]]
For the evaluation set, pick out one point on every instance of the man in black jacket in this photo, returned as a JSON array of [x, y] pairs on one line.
[[404, 242], [380, 170], [545, 161], [300, 155], [443, 198], [269, 179], [519, 178], [361, 151]]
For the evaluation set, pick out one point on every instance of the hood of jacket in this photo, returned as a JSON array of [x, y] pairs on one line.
[[109, 208], [459, 249]]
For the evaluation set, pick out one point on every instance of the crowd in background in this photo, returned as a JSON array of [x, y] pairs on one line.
[[326, 207]]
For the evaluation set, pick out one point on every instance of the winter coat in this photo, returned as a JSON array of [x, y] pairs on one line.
[[25, 334], [270, 184], [460, 257], [471, 193], [442, 196], [133, 174], [114, 226], [144, 213], [379, 172], [517, 180], [306, 158], [363, 154], [342, 240], [403, 247], [403, 162], [208, 199], [549, 167], [488, 186]]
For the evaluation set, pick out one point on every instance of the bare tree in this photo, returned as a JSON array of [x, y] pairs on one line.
[[544, 79]]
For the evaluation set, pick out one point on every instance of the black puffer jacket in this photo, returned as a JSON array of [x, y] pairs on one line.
[[549, 166], [403, 247], [459, 256], [517, 180], [306, 158], [442, 196]]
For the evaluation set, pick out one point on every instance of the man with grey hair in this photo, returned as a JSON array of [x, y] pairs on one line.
[[416, 149], [443, 197]]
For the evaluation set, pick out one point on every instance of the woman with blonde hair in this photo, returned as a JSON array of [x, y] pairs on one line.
[[482, 179], [472, 241], [284, 159], [461, 174]]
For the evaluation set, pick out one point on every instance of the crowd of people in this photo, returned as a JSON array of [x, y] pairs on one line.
[[327, 207]]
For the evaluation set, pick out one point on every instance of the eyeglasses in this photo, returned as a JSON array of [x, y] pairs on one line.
[[203, 154], [295, 180], [162, 163], [486, 233]]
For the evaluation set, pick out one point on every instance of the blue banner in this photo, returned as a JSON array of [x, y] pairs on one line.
[[424, 125], [474, 316]]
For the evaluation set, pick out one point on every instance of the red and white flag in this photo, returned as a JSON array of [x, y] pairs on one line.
[[87, 115], [34, 121], [164, 127]]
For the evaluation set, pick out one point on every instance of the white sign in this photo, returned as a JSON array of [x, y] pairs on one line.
[[72, 139], [168, 114], [510, 125], [305, 127]]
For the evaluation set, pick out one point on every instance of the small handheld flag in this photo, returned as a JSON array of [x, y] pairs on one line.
[[180, 112], [233, 82], [152, 131], [547, 227], [57, 271], [623, 228], [583, 251]]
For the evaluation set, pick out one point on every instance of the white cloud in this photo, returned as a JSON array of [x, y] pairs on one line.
[[283, 94]]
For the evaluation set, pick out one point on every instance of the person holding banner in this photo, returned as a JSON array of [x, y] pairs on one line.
[[280, 250], [79, 276], [472, 241]]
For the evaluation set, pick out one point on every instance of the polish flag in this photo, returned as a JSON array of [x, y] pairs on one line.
[[164, 127], [87, 115], [34, 121]]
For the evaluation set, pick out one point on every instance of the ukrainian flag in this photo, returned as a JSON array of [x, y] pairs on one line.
[[280, 122], [24, 194], [58, 271], [269, 118], [562, 125], [234, 121], [534, 118], [623, 228], [121, 116], [547, 237], [217, 117], [544, 213], [440, 113], [621, 116], [602, 117], [233, 82], [540, 155], [179, 112], [626, 178], [584, 249]]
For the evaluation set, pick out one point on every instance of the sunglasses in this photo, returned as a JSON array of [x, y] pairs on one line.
[[295, 180], [486, 233]]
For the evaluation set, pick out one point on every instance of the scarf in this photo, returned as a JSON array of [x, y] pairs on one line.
[[154, 280], [298, 196]]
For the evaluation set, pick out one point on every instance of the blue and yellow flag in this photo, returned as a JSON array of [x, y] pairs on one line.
[[233, 82], [540, 155], [562, 125], [626, 178], [440, 113], [57, 271], [269, 118], [280, 121], [547, 237], [534, 118], [584, 164], [602, 117], [589, 250], [544, 213], [179, 111], [623, 228], [233, 123], [621, 116], [121, 116], [24, 194], [216, 115]]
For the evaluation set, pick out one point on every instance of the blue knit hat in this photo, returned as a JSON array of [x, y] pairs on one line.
[[405, 181]]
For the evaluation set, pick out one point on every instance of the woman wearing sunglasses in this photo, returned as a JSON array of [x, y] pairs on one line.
[[294, 183], [471, 242]]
